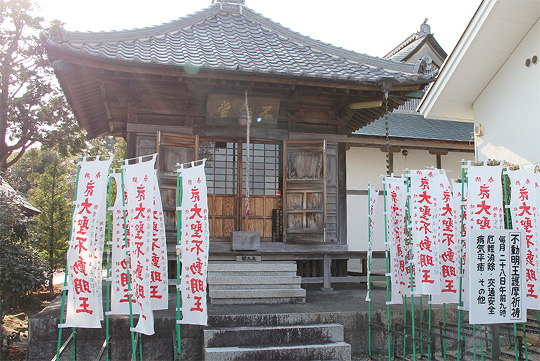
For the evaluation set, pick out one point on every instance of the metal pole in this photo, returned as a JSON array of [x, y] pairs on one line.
[[460, 304], [444, 331], [409, 241], [495, 344], [128, 263], [66, 269], [389, 334], [178, 255], [109, 243], [429, 329]]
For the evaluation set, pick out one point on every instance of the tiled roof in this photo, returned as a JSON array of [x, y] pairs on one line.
[[5, 188], [226, 37], [415, 126]]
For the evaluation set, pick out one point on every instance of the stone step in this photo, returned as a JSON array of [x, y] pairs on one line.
[[257, 293], [253, 287], [273, 335], [246, 280], [252, 267], [331, 351], [257, 301], [248, 273]]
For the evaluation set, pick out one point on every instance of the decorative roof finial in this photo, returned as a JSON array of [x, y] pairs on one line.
[[425, 29]]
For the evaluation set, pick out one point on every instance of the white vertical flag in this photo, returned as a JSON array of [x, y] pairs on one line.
[[423, 208], [119, 286], [448, 245], [484, 205], [159, 284], [85, 305], [139, 190], [524, 211], [194, 245], [373, 198], [396, 198]]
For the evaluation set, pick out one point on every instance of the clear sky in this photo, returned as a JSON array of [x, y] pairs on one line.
[[372, 27]]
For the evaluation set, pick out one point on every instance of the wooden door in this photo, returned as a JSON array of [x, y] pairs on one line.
[[304, 205], [172, 149], [175, 148]]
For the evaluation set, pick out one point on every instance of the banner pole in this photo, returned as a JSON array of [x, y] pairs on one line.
[[369, 269], [474, 341], [409, 241], [506, 202], [178, 254], [389, 335], [444, 331], [460, 304], [109, 283], [128, 264], [421, 328], [404, 326], [66, 269], [429, 329]]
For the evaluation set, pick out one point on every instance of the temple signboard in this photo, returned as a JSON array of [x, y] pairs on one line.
[[226, 109]]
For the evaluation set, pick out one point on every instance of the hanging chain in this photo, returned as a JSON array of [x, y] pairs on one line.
[[248, 124]]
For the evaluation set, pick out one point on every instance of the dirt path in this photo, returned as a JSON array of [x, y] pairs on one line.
[[15, 326]]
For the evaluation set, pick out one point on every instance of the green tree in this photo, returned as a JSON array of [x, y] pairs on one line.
[[53, 224], [33, 161], [21, 268], [32, 109]]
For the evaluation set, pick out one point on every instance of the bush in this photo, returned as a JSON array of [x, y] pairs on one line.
[[21, 271], [21, 268]]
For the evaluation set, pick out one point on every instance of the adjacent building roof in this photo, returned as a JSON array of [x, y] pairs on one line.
[[417, 45], [414, 126], [231, 37], [26, 207], [493, 33]]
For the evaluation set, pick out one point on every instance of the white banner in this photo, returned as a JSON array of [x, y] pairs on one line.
[[460, 196], [484, 201], [524, 211], [159, 293], [448, 245], [139, 190], [396, 198], [119, 287], [423, 208], [84, 256], [159, 283], [194, 245], [496, 282], [373, 198]]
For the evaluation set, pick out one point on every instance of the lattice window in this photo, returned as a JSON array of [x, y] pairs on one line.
[[265, 169], [221, 166]]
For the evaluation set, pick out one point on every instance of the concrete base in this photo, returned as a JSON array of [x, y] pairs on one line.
[[245, 241], [345, 306]]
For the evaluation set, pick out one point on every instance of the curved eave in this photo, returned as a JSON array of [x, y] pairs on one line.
[[57, 53]]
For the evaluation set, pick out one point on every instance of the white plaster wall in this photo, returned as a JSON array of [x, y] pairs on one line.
[[452, 163], [415, 159], [364, 165], [509, 107]]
